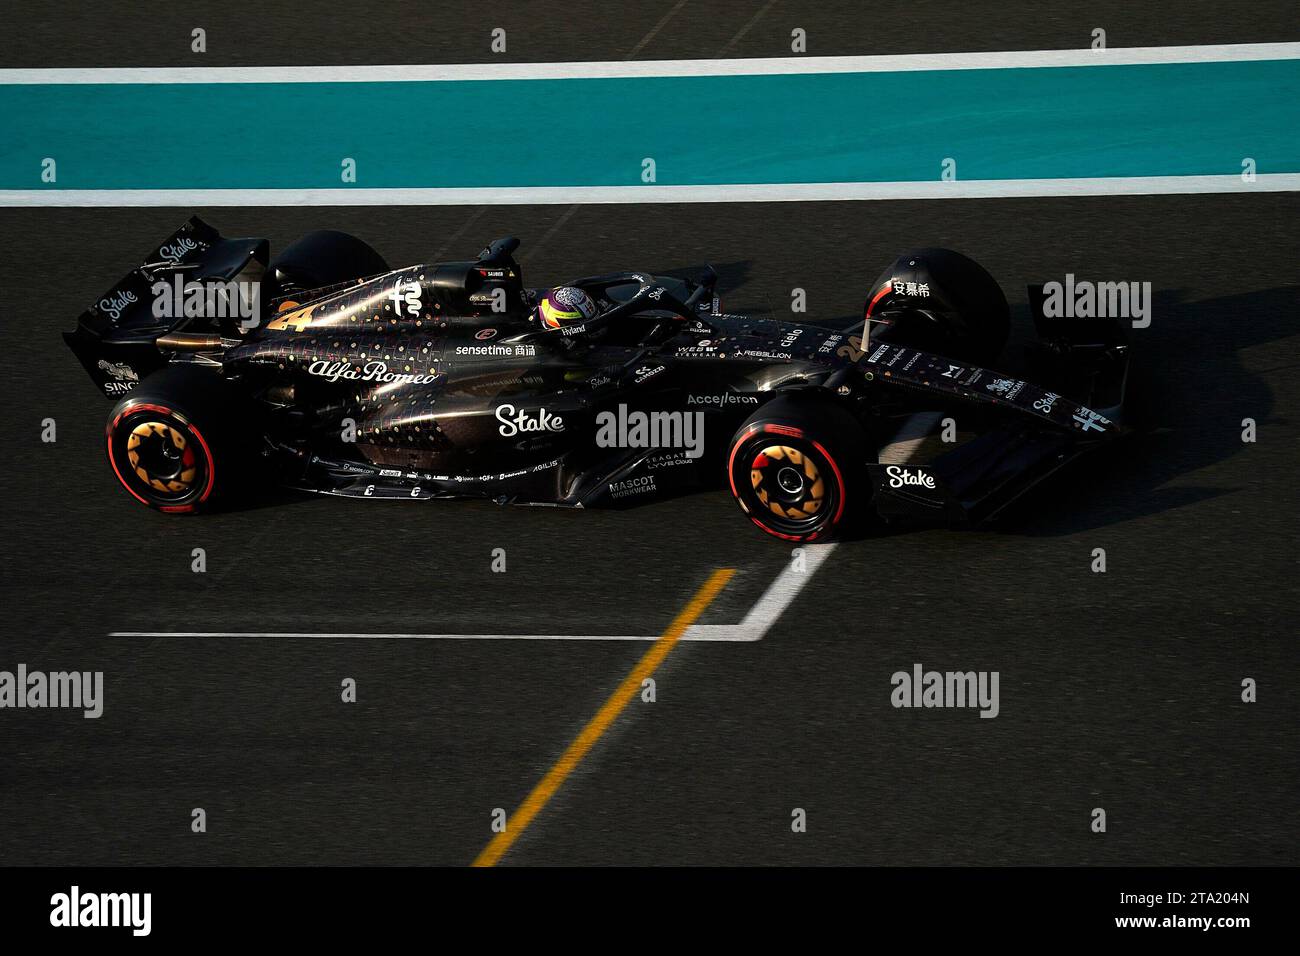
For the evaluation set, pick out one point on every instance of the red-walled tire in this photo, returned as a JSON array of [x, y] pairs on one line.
[[797, 468], [171, 443]]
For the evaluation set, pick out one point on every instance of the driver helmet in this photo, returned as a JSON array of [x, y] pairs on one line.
[[558, 307]]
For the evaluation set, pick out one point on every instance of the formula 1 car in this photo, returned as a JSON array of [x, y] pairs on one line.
[[325, 370]]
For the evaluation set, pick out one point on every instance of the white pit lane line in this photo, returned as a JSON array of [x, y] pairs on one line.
[[760, 618], [620, 69]]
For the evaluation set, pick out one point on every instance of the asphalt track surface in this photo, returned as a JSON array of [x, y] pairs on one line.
[[256, 33], [1118, 690]]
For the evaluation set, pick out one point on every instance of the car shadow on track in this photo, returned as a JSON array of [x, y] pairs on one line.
[[273, 496], [1187, 398]]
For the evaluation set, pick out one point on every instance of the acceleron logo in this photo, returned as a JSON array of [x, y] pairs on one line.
[[78, 909]]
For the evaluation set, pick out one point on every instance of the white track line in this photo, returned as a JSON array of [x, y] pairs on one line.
[[739, 192], [742, 66], [778, 596]]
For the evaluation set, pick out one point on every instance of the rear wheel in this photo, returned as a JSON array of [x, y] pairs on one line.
[[319, 259], [170, 443], [797, 467]]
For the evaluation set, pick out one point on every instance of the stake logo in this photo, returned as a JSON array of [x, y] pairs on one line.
[[905, 477], [174, 252], [115, 304], [514, 422]]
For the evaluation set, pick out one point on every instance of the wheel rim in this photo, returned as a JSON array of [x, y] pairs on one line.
[[787, 484], [160, 457]]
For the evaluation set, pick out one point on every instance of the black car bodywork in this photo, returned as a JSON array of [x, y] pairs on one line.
[[437, 381]]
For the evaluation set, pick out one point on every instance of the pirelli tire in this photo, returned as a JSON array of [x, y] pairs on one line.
[[178, 443], [962, 314], [797, 468]]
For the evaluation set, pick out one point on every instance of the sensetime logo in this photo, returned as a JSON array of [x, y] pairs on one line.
[[625, 429], [75, 908]]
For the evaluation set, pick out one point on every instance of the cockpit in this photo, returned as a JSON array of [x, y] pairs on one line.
[[632, 306]]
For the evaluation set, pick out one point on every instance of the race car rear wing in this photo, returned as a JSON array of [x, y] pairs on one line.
[[116, 338]]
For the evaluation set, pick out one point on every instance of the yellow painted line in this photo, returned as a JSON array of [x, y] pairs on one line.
[[605, 717]]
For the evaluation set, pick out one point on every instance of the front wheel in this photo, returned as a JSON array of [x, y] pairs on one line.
[[797, 467]]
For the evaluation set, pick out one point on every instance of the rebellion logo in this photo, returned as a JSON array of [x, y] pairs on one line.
[[370, 372]]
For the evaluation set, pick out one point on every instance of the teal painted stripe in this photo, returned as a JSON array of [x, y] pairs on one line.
[[1022, 123]]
